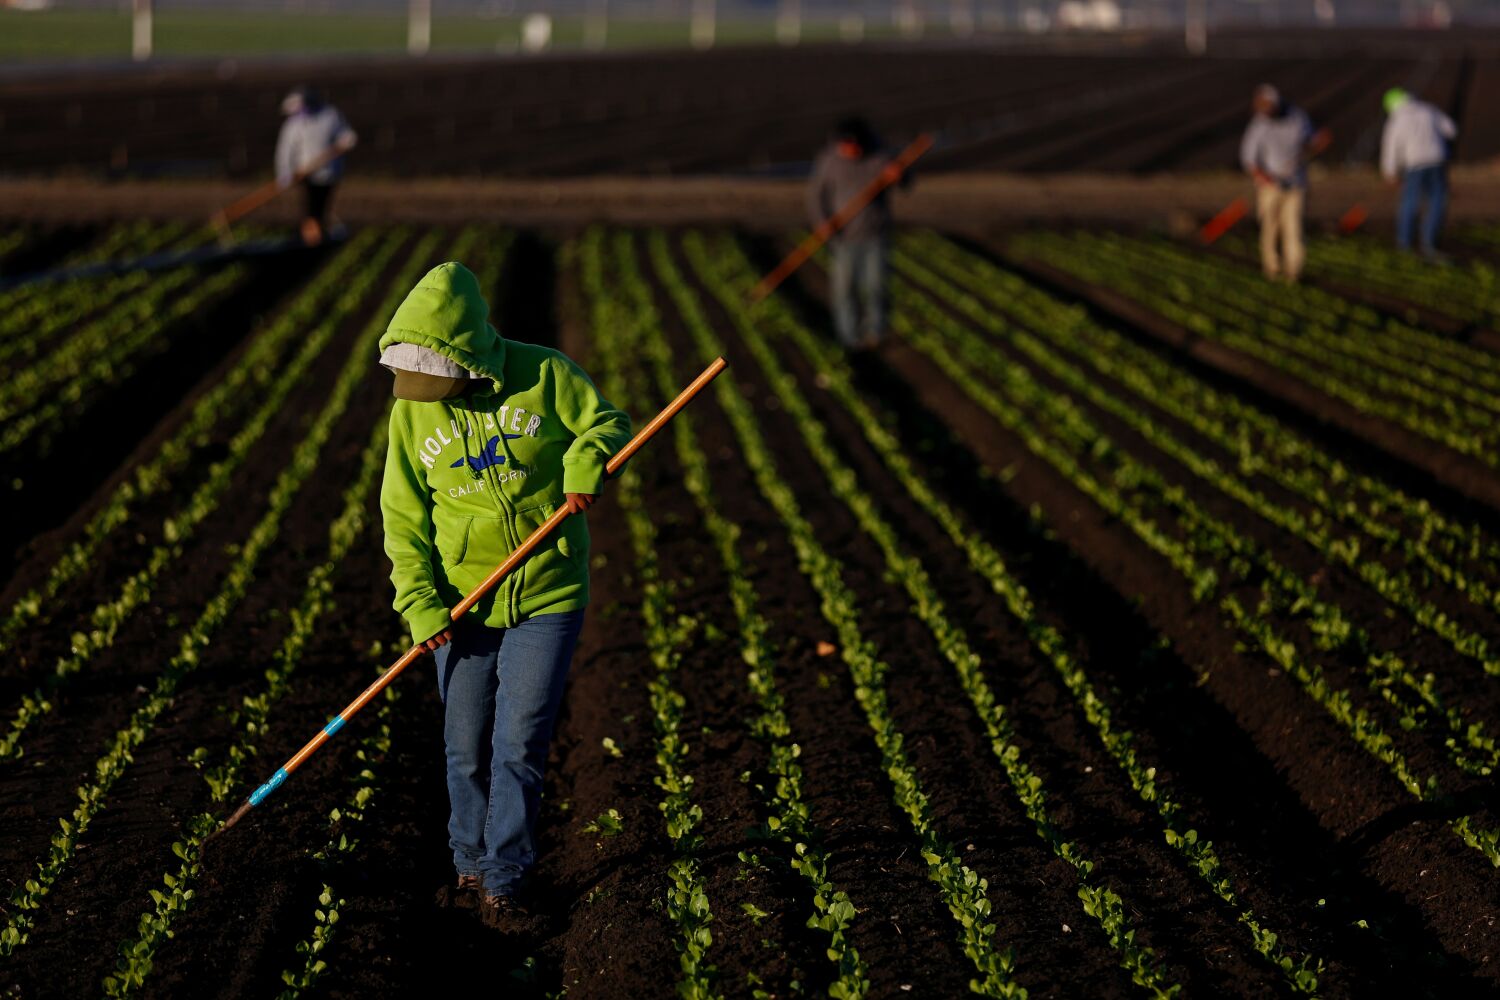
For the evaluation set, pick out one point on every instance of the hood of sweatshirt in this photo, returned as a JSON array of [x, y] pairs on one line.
[[446, 312]]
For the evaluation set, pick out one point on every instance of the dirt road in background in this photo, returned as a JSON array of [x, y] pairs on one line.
[[961, 202]]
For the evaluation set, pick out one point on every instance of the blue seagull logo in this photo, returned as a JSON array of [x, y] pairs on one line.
[[490, 456]]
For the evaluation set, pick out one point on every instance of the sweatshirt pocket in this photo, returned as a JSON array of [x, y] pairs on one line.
[[558, 562], [451, 535]]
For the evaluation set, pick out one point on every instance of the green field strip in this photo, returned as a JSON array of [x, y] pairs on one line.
[[219, 609], [1079, 441], [107, 618], [257, 370], [777, 321], [788, 817]]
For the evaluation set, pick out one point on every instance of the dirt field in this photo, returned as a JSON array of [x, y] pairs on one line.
[[963, 570], [959, 202], [1139, 106], [1124, 625]]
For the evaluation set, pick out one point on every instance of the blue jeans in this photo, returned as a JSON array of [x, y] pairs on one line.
[[1426, 186], [501, 690], [858, 278]]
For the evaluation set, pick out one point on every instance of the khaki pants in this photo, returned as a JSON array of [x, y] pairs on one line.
[[1280, 214]]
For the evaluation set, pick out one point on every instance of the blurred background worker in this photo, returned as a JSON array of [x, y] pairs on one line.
[[853, 158], [1278, 142], [1414, 151], [313, 132]]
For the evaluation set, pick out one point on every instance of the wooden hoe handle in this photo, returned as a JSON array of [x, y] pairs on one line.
[[838, 220]]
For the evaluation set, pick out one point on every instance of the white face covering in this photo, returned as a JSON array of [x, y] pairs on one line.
[[425, 376], [414, 358]]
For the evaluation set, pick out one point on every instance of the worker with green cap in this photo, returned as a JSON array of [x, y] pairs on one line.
[[488, 438], [1414, 153]]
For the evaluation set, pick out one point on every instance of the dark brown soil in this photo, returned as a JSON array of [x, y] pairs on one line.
[[44, 248], [1372, 861], [1458, 679], [1317, 837], [161, 784], [55, 479], [1373, 839], [1446, 469], [1067, 102]]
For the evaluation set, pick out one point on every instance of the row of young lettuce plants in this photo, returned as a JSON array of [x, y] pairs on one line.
[[52, 397], [1099, 901], [30, 328], [225, 777], [1461, 554], [668, 634], [105, 621], [779, 324], [1192, 542], [788, 818], [1310, 315], [259, 369], [345, 822], [1466, 289], [964, 890], [21, 307], [1369, 389], [1390, 675], [1346, 324]]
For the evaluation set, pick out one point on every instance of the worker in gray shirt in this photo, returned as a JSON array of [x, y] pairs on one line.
[[1274, 151], [1414, 152], [310, 149], [853, 158]]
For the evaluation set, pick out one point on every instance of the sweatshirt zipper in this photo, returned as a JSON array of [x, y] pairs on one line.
[[518, 578], [508, 587], [466, 416]]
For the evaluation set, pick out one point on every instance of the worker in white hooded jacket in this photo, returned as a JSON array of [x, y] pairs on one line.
[[312, 133]]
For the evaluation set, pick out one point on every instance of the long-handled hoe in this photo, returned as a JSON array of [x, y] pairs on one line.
[[892, 173], [499, 573], [241, 207]]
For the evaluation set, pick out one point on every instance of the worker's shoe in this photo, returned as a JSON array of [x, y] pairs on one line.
[[465, 894], [496, 902], [506, 913]]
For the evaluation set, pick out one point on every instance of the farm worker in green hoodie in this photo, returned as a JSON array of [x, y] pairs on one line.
[[488, 438]]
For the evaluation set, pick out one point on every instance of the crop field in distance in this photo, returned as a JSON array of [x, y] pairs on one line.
[[85, 33], [741, 111]]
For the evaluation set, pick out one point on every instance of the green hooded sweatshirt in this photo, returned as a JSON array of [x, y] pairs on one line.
[[466, 480]]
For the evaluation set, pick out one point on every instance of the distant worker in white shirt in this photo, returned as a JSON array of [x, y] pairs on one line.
[[311, 148], [1278, 142], [1414, 151]]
